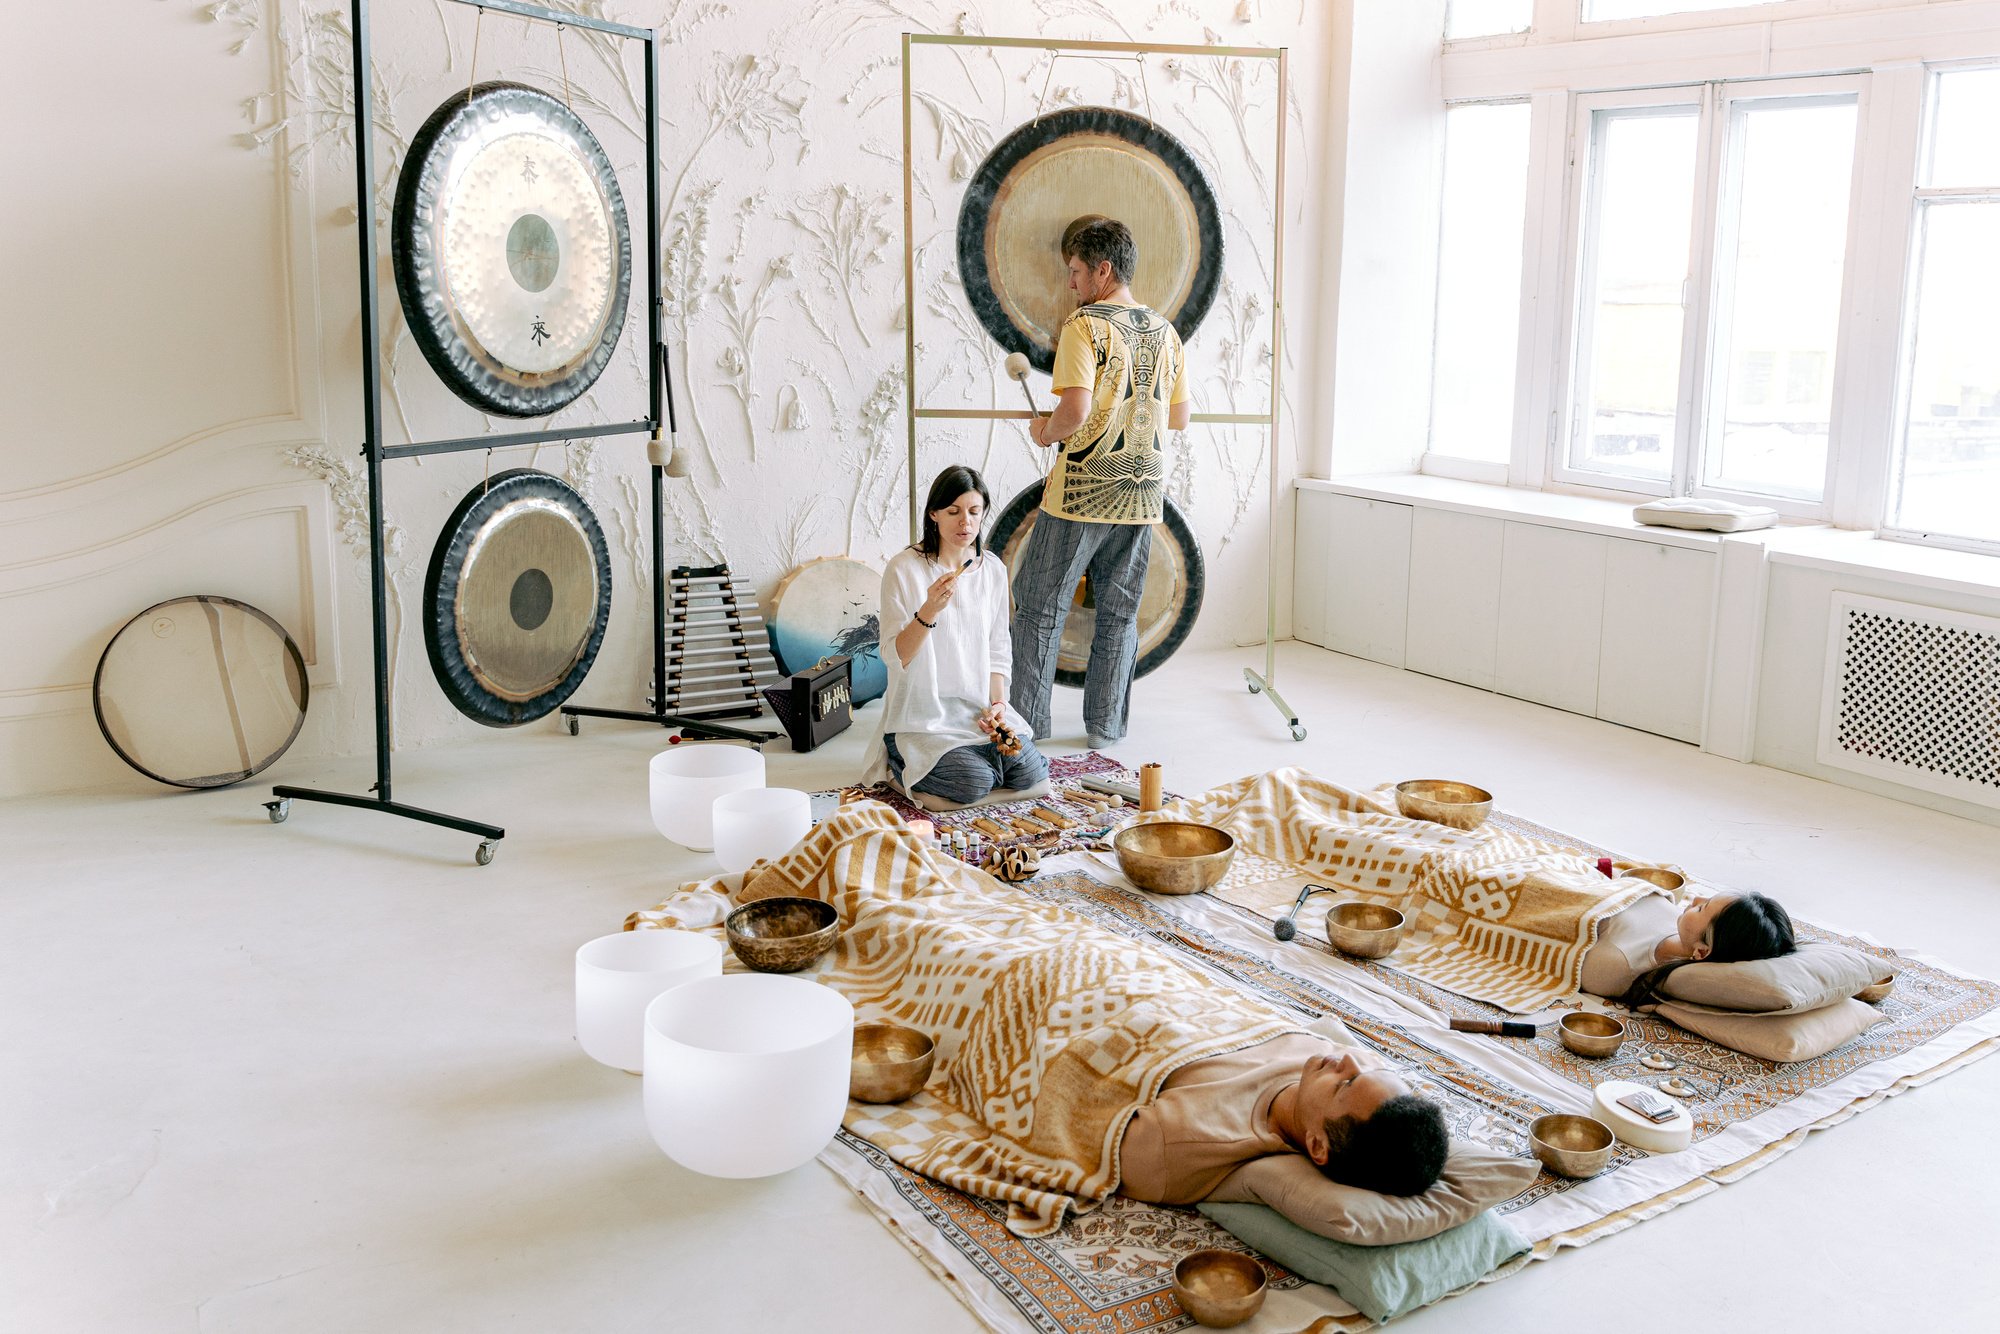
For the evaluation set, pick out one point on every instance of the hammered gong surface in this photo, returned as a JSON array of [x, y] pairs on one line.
[[1048, 173], [513, 255], [517, 598], [1176, 579]]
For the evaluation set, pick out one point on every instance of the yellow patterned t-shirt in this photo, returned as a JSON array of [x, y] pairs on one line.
[[1113, 469]]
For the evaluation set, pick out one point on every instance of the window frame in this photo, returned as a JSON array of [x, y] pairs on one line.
[[1711, 239], [1922, 199], [1442, 463]]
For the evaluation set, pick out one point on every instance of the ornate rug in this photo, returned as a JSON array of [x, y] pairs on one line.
[[1112, 1269]]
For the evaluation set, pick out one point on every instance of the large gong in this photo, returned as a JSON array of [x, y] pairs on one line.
[[1054, 170], [1175, 581], [517, 598], [512, 253]]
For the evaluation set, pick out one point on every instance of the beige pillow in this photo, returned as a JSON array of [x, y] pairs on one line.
[[1473, 1180], [1778, 1037], [1811, 976]]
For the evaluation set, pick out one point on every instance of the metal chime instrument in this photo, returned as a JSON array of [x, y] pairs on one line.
[[718, 656]]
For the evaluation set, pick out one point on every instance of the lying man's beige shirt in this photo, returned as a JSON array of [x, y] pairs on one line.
[[1209, 1133]]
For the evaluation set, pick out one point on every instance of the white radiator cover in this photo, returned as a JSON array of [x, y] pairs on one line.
[[1912, 696]]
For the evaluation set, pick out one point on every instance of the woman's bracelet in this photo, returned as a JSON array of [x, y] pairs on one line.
[[928, 625]]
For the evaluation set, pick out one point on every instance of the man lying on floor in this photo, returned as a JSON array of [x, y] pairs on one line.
[[1075, 1059], [1273, 1123]]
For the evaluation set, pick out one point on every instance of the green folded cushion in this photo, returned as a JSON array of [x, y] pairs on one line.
[[1382, 1282]]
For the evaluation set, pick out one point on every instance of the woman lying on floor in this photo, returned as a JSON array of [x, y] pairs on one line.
[[1637, 947], [949, 653]]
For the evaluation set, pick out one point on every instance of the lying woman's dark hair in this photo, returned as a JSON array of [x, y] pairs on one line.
[[1754, 926], [952, 483], [1399, 1150]]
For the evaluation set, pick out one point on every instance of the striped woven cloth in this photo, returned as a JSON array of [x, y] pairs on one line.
[[1496, 915], [1051, 1030]]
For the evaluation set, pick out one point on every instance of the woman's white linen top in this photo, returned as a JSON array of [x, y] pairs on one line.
[[931, 705]]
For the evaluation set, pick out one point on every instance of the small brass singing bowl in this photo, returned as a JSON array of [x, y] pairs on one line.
[[890, 1063], [1441, 801], [1671, 881], [1219, 1288], [1593, 1035], [782, 935], [1571, 1146], [1876, 992], [1174, 856], [1365, 930]]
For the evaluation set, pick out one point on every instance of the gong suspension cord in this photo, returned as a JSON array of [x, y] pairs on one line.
[[472, 72], [1041, 103], [563, 56]]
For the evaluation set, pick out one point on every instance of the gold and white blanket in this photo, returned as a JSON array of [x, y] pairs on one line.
[[1499, 916], [1051, 1031]]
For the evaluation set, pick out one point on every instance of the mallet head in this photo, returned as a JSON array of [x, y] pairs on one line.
[[1017, 365]]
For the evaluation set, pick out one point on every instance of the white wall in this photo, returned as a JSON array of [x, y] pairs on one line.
[[190, 421], [1388, 151]]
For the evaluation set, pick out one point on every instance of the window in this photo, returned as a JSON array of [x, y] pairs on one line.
[[1479, 280], [1486, 18], [1946, 481], [1595, 11], [1712, 251], [1639, 209], [1778, 284]]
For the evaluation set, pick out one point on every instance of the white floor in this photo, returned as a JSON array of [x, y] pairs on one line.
[[320, 1076]]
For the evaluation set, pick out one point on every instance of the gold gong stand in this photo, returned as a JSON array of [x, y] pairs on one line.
[[1264, 682]]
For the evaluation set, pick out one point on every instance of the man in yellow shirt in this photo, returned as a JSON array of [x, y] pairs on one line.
[[1122, 377]]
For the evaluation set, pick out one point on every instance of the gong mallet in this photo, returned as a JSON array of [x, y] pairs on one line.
[[1017, 371], [1288, 926]]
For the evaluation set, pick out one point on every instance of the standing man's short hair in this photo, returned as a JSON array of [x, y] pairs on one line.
[[1095, 239]]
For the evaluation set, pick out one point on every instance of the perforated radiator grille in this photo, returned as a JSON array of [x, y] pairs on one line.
[[1914, 696]]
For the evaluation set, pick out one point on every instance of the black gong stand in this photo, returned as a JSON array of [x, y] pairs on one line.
[[660, 409]]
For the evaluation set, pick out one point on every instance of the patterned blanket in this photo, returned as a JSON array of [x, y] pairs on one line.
[[1051, 1031], [1501, 916]]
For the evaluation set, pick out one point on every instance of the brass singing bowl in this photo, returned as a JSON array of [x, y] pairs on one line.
[[890, 1063], [1876, 992], [1365, 930], [1593, 1035], [1441, 801], [1174, 856], [1671, 881], [1571, 1146], [1219, 1288], [782, 935]]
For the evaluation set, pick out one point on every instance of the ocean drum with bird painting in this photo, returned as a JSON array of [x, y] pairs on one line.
[[1057, 168], [1176, 578], [517, 598], [828, 606], [512, 252]]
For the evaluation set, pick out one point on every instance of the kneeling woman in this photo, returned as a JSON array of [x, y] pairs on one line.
[[946, 644]]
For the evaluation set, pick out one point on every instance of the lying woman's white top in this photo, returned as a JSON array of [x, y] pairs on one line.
[[931, 704], [1625, 944]]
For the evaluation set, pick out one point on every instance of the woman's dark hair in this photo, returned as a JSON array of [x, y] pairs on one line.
[[1753, 926], [952, 483]]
